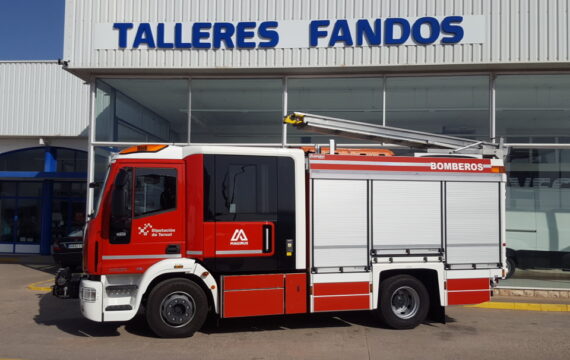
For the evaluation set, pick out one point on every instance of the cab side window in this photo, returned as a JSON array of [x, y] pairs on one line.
[[245, 187], [155, 191]]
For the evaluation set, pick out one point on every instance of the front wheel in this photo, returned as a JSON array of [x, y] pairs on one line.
[[404, 302], [176, 308]]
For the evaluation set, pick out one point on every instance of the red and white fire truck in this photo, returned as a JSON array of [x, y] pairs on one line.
[[184, 231]]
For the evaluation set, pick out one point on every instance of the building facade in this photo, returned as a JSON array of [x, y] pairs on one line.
[[225, 72], [43, 154]]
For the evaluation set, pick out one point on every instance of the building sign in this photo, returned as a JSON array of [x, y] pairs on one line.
[[418, 31]]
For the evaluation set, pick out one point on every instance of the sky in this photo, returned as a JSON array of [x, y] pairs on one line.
[[31, 29]]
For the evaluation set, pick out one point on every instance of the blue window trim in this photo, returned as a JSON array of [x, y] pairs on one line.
[[43, 175]]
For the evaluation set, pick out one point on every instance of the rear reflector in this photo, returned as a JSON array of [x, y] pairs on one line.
[[142, 148]]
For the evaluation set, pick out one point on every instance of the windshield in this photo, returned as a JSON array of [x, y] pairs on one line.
[[99, 192]]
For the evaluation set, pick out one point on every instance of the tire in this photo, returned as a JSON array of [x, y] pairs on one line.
[[404, 302], [511, 266], [176, 308]]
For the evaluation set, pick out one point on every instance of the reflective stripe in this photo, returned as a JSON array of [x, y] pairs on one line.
[[128, 257], [233, 252], [378, 163], [473, 244], [341, 247], [385, 163], [404, 247], [194, 252]]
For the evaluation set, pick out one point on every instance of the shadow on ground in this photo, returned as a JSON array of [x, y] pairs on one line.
[[66, 316], [36, 262]]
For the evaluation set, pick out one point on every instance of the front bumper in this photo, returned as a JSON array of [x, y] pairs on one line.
[[91, 300]]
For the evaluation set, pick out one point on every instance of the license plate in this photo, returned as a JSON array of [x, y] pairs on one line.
[[75, 246]]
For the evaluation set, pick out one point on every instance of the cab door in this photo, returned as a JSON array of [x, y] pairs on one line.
[[145, 221], [249, 213]]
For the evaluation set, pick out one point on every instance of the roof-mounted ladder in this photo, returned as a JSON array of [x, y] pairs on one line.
[[433, 143]]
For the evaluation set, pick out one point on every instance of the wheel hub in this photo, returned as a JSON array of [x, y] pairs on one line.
[[177, 309], [405, 302]]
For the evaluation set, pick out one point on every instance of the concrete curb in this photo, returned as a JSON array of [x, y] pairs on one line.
[[523, 306], [532, 292]]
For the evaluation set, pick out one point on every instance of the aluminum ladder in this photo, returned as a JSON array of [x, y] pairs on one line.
[[432, 143]]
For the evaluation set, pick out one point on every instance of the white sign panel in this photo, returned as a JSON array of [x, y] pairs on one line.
[[416, 31]]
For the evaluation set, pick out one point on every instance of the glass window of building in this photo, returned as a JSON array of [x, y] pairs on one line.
[[449, 105], [538, 203], [236, 110], [23, 160], [142, 110], [532, 108], [358, 99], [69, 160]]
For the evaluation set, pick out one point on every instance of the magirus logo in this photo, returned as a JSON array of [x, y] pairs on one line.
[[239, 238]]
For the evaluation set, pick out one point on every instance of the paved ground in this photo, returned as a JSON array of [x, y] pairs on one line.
[[35, 325]]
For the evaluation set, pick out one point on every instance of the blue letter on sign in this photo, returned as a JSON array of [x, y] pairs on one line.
[[265, 32], [144, 36], [389, 31], [340, 32], [243, 34], [123, 27], [448, 28], [314, 33], [433, 28], [198, 34], [178, 43], [223, 32], [161, 44], [363, 29]]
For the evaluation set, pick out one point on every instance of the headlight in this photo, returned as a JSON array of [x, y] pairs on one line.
[[88, 294]]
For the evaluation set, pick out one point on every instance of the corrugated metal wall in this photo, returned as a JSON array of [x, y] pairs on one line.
[[518, 31], [42, 99]]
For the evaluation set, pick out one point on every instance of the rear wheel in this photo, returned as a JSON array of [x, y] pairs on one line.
[[404, 302], [511, 266], [176, 308]]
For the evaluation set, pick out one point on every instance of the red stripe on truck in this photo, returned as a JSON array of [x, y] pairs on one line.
[[468, 297], [468, 284], [253, 302], [247, 282], [340, 303], [346, 288]]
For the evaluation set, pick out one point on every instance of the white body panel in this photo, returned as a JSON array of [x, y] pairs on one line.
[[96, 310], [473, 228], [406, 215], [340, 223]]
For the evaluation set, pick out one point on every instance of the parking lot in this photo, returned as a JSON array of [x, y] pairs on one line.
[[35, 325]]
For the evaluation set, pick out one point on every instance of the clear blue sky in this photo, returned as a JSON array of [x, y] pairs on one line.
[[31, 29]]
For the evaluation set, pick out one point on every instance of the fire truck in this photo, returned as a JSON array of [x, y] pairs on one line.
[[182, 232]]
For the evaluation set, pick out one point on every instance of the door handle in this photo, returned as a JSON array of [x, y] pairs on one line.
[[173, 249], [266, 238]]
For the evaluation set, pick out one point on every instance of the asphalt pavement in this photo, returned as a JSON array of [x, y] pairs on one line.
[[35, 325]]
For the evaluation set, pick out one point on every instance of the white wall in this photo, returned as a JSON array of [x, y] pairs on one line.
[[39, 98], [517, 32]]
